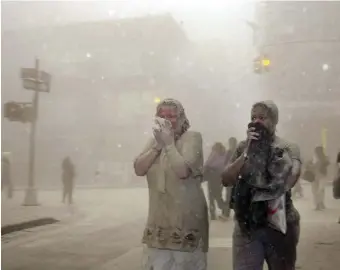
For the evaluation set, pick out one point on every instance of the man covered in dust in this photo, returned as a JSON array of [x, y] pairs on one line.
[[254, 239], [177, 230]]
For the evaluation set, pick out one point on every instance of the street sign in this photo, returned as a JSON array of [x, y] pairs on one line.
[[19, 111], [31, 82]]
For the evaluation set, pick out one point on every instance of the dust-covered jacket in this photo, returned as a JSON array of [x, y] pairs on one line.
[[178, 216]]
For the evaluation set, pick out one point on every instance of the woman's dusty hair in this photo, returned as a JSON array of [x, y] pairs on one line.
[[183, 122]]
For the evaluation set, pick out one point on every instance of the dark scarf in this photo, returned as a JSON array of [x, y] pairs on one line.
[[260, 180]]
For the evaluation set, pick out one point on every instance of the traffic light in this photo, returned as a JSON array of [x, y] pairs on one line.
[[18, 111], [157, 100], [261, 64]]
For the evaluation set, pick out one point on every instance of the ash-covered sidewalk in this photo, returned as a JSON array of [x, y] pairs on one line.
[[87, 202]]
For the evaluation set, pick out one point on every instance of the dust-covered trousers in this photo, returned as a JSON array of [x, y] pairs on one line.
[[266, 244], [163, 259]]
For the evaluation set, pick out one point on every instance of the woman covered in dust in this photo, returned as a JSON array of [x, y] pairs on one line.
[[256, 239], [177, 230]]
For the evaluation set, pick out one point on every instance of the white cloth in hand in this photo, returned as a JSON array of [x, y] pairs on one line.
[[163, 131]]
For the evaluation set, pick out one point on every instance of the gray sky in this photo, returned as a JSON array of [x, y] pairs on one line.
[[201, 19]]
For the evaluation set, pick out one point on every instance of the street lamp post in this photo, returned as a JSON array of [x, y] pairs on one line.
[[34, 79], [31, 192]]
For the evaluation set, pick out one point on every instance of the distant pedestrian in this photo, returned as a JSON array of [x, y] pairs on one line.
[[6, 178], [320, 166], [336, 181], [68, 175], [232, 142], [213, 168]]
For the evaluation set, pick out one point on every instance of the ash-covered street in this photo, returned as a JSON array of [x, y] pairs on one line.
[[103, 230]]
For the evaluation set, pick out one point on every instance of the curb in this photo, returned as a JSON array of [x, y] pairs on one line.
[[27, 225]]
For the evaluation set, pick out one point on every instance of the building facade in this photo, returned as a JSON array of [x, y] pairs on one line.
[[302, 41], [105, 76]]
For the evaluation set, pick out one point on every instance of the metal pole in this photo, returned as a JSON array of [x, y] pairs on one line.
[[31, 193]]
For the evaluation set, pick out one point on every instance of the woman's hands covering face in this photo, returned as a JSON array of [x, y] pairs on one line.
[[163, 132]]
